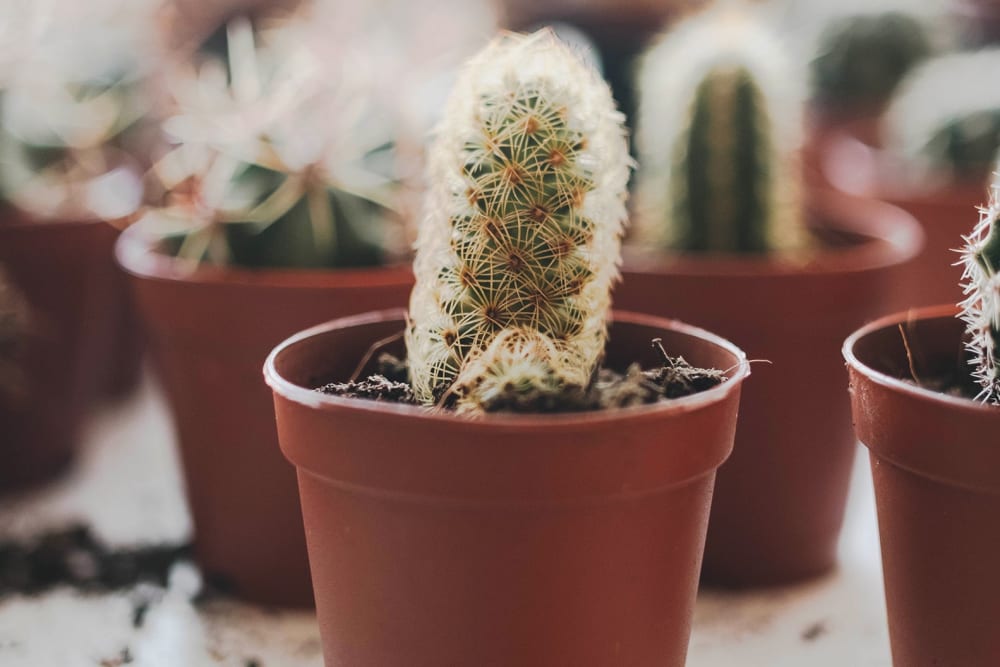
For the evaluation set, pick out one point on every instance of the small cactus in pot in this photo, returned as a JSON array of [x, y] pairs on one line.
[[981, 307], [943, 124], [272, 164], [862, 57], [720, 121], [519, 246]]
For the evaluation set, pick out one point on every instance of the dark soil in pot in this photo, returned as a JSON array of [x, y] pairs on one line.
[[56, 267], [209, 330], [936, 465], [529, 540], [780, 499]]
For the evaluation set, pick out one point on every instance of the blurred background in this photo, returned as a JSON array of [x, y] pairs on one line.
[[265, 138]]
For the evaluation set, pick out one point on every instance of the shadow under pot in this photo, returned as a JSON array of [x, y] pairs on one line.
[[529, 540], [209, 330], [49, 361], [935, 460], [780, 499]]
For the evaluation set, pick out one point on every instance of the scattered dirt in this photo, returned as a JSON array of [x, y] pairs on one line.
[[814, 631], [610, 389], [73, 557]]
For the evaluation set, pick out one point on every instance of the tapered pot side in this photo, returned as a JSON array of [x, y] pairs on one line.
[[780, 499], [935, 461], [209, 330], [529, 540], [57, 268]]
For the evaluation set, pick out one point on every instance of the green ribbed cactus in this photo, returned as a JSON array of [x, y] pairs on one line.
[[520, 243], [981, 307], [863, 57], [943, 122], [720, 120]]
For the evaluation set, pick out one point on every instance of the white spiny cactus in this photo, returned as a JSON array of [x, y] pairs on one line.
[[981, 307], [520, 243]]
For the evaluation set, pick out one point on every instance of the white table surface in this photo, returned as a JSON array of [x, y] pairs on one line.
[[127, 487]]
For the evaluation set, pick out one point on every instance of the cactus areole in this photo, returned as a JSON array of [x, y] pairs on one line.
[[981, 307], [520, 242]]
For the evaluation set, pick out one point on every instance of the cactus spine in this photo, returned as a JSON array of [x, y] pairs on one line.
[[720, 121], [520, 243], [981, 307]]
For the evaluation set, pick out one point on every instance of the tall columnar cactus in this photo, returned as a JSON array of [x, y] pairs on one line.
[[862, 57], [981, 308], [520, 243], [720, 120], [943, 122]]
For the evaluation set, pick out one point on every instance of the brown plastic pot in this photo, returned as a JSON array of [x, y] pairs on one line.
[[528, 540], [780, 499], [936, 464], [123, 347], [57, 266], [209, 330], [946, 213]]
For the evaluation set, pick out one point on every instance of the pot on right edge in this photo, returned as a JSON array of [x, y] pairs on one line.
[[935, 461]]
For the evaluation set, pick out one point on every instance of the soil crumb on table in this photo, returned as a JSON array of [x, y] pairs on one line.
[[73, 557]]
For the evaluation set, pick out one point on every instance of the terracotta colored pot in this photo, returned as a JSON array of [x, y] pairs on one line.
[[57, 266], [209, 331], [779, 501], [946, 213], [510, 539], [936, 464], [122, 354]]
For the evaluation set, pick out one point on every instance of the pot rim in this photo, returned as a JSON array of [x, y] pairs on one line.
[[895, 384], [326, 402], [893, 237], [136, 253]]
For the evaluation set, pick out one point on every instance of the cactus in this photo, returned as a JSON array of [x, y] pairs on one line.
[[863, 57], [70, 114], [981, 307], [290, 139], [943, 123], [520, 243], [720, 119]]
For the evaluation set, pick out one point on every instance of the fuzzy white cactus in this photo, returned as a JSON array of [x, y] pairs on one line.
[[720, 123], [981, 307], [520, 242]]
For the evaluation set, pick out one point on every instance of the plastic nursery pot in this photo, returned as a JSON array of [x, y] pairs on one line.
[[528, 540], [123, 348], [936, 464], [57, 267], [780, 499], [946, 214], [209, 330]]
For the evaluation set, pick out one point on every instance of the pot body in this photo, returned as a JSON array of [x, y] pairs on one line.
[[780, 499], [209, 330], [58, 268], [510, 539], [123, 348], [936, 467]]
